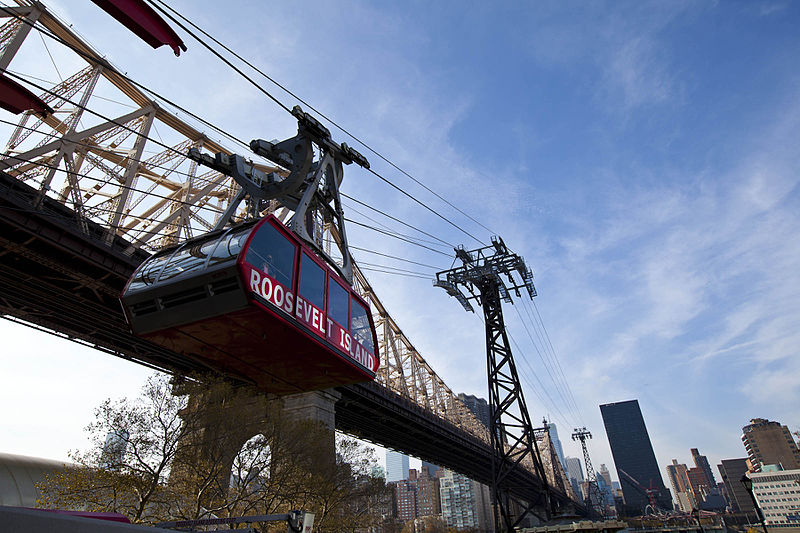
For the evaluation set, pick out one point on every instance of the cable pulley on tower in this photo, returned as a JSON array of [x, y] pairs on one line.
[[483, 265]]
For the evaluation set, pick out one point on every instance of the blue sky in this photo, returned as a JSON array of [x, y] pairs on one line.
[[642, 156]]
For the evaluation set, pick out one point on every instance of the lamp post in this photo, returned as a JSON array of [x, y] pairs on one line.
[[748, 485]]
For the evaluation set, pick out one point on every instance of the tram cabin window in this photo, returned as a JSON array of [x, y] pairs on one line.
[[359, 325], [230, 244], [312, 282], [189, 258], [148, 271], [338, 300], [273, 254]]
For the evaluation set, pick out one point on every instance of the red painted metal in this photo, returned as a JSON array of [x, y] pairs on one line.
[[142, 20], [278, 340], [16, 98]]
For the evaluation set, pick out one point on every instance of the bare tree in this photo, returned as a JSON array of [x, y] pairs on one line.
[[210, 448], [134, 444]]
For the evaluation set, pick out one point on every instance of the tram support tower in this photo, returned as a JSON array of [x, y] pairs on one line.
[[510, 429], [593, 504]]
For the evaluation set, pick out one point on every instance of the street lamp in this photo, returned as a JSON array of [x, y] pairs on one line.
[[748, 485]]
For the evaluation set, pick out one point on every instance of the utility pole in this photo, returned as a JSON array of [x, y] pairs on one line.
[[593, 503], [510, 429]]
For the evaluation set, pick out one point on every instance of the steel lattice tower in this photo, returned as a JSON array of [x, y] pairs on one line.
[[510, 428], [593, 497]]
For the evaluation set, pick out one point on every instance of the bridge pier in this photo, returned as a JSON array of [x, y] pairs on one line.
[[315, 406], [220, 418]]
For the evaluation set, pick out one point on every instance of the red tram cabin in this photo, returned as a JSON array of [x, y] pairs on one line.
[[255, 301]]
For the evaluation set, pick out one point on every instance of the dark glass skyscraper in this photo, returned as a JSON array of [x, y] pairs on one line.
[[633, 455]]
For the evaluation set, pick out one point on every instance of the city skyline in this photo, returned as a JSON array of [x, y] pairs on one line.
[[639, 156]]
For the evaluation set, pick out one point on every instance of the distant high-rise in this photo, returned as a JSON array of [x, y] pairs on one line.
[[465, 503], [574, 468], [405, 499], [428, 503], [732, 471], [432, 468], [114, 449], [770, 443], [701, 462], [678, 476], [699, 483], [606, 475], [633, 454], [556, 443], [396, 466], [478, 406]]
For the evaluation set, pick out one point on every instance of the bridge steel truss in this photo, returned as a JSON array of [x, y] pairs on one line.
[[121, 195]]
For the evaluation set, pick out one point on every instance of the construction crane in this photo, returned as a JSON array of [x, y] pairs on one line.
[[650, 493]]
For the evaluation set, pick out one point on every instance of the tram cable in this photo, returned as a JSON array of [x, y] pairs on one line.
[[92, 59], [558, 387], [304, 102], [397, 220], [548, 350], [268, 94], [387, 228], [368, 269], [363, 264], [395, 236], [541, 386], [558, 362], [393, 257]]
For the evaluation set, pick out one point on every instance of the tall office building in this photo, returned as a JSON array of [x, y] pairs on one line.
[[770, 443], [465, 503], [678, 476], [574, 468], [396, 466], [605, 474], [556, 443], [633, 454], [698, 483], [731, 471], [478, 406], [701, 462]]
